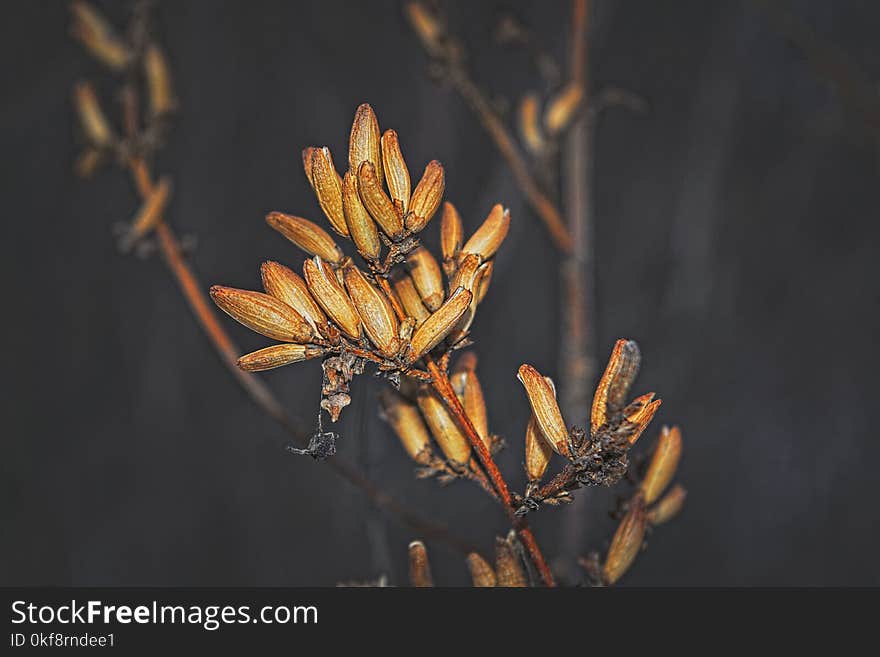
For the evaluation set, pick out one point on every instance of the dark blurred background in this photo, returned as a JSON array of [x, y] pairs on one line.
[[736, 240]]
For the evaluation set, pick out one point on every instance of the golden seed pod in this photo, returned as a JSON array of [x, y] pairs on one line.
[[508, 567], [158, 75], [664, 463], [470, 394], [287, 286], [361, 226], [307, 235], [97, 35], [92, 119], [409, 296], [643, 419], [611, 391], [483, 279], [542, 398], [419, 567], [149, 215], [377, 202], [426, 197], [443, 426], [537, 451], [88, 162], [489, 236], [396, 173], [330, 295], [426, 275], [307, 154], [465, 275], [439, 324], [563, 107], [277, 356], [669, 506], [407, 424], [328, 188], [466, 362], [363, 143], [374, 309], [451, 234], [482, 574], [262, 313], [626, 543], [530, 123]]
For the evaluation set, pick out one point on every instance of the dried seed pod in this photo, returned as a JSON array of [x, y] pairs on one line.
[[451, 233], [483, 279], [149, 215], [508, 567], [467, 362], [307, 154], [377, 202], [426, 275], [307, 235], [156, 71], [419, 567], [481, 572], [363, 143], [542, 398], [444, 428], [642, 419], [537, 453], [261, 313], [374, 309], [563, 107], [669, 506], [409, 297], [439, 324], [529, 123], [97, 35], [286, 285], [626, 543], [470, 394], [465, 275], [663, 465], [361, 226], [277, 356], [331, 296], [328, 188], [426, 197], [614, 385], [407, 424], [489, 236], [88, 162], [396, 173], [92, 119]]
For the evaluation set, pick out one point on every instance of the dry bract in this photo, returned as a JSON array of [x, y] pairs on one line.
[[396, 173], [663, 464], [489, 236], [406, 421], [262, 313], [307, 235], [330, 295], [425, 273], [542, 398], [482, 574], [277, 356], [444, 428], [328, 188], [439, 324], [426, 197]]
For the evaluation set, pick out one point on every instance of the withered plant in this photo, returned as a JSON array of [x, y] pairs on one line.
[[402, 312]]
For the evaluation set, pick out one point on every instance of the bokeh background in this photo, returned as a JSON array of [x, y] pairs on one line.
[[736, 240]]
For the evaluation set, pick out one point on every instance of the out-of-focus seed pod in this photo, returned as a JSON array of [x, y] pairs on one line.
[[439, 324], [444, 428], [529, 123], [419, 567], [307, 154], [158, 75], [425, 273], [262, 313], [626, 543], [426, 26], [508, 567], [623, 365], [328, 188], [542, 398], [88, 162], [465, 275], [286, 285], [409, 297], [330, 295], [563, 107], [407, 424], [277, 356], [307, 235], [94, 123], [537, 452], [489, 236], [426, 197], [374, 309], [669, 506], [377, 202], [396, 173], [483, 279], [663, 465], [149, 215], [470, 394], [99, 37], [361, 226], [451, 234], [482, 574], [363, 143], [467, 362]]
